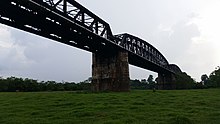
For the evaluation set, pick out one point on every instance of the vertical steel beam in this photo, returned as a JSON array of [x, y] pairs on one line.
[[83, 18], [65, 6], [97, 27]]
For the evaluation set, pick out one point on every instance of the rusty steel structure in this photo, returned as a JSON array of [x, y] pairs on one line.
[[68, 22]]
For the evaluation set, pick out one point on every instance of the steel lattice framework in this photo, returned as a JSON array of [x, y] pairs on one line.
[[68, 22], [79, 14], [141, 48]]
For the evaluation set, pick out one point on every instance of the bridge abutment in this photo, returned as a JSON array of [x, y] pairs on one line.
[[166, 81], [110, 72]]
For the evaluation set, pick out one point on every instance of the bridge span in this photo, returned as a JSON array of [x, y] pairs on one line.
[[68, 22]]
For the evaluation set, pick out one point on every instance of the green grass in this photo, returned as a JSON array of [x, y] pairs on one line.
[[138, 107]]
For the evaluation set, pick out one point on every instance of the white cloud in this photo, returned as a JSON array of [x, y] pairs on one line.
[[195, 41], [207, 44], [11, 55], [5, 35], [177, 43]]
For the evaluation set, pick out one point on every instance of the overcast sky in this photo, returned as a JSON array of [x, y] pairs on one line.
[[186, 32]]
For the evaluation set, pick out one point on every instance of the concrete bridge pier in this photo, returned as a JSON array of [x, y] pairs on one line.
[[166, 81], [110, 72]]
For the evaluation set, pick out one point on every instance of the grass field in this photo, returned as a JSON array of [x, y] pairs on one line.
[[138, 107]]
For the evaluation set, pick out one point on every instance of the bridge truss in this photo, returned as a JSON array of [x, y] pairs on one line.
[[68, 22]]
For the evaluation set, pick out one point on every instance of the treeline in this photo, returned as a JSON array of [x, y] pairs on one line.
[[13, 84], [143, 84], [183, 81], [211, 81]]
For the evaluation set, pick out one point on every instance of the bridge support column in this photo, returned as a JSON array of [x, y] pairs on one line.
[[110, 72], [166, 81]]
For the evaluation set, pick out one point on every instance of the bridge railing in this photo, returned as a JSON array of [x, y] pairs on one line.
[[78, 14]]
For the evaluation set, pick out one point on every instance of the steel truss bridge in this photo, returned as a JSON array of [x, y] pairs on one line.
[[68, 22]]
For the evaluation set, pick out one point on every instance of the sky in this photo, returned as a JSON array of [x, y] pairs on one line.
[[186, 32]]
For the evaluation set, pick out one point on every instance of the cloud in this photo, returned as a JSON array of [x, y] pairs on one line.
[[12, 57], [177, 44], [189, 45], [28, 55], [178, 38]]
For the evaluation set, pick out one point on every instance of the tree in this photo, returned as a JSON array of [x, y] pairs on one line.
[[150, 79], [204, 79], [184, 81], [214, 78], [89, 80], [144, 81], [12, 84], [151, 82]]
